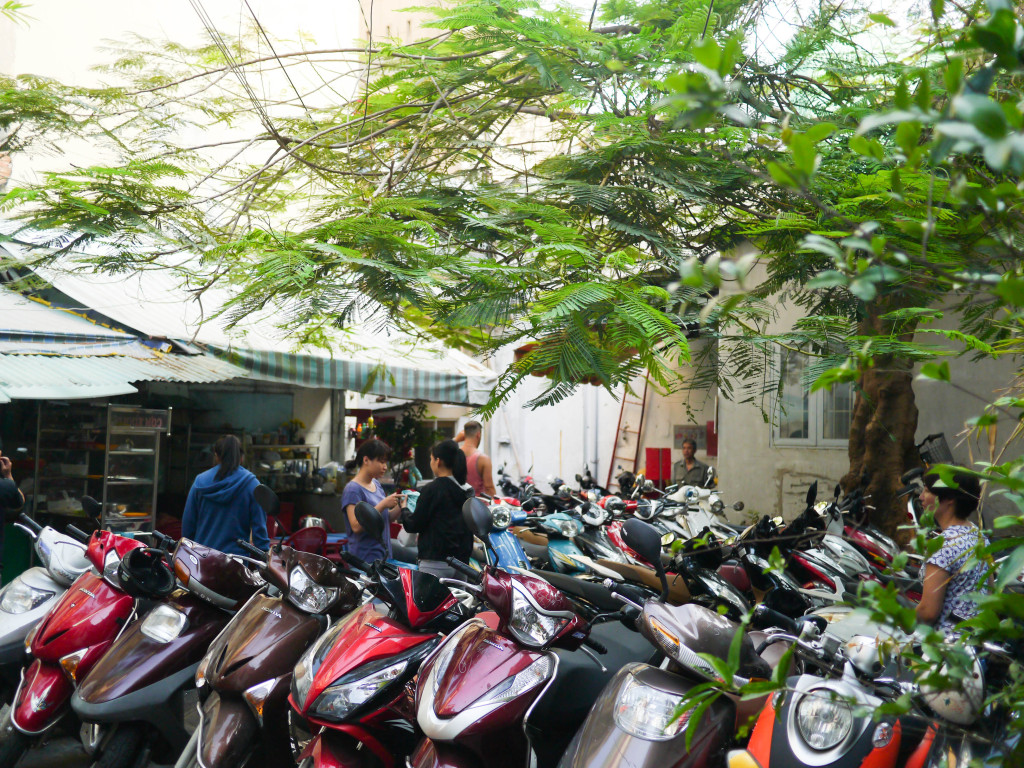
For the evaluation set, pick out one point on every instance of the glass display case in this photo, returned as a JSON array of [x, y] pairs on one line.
[[131, 466], [109, 452]]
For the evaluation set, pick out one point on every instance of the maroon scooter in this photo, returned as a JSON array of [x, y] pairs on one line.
[[133, 699], [514, 696], [72, 638], [244, 679]]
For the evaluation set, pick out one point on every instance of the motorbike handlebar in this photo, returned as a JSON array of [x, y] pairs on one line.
[[29, 523], [474, 576], [592, 643], [764, 617], [164, 541], [358, 562], [77, 534], [252, 549]]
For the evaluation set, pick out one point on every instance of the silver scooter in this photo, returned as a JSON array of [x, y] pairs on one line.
[[30, 596]]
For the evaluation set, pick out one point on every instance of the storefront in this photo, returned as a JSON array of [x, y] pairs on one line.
[[138, 343]]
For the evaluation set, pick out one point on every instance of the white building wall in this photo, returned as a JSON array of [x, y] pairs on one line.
[[773, 479]]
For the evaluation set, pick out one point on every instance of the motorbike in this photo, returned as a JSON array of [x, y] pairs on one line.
[[73, 638], [634, 720], [244, 678], [826, 717], [132, 700], [350, 687], [514, 695], [31, 595]]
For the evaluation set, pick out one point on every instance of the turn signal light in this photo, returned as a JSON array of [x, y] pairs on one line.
[[70, 664], [740, 758]]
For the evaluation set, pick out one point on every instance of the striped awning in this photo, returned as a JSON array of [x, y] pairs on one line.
[[401, 381]]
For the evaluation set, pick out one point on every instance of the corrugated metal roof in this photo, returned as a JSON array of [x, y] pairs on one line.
[[158, 304], [38, 377], [21, 317]]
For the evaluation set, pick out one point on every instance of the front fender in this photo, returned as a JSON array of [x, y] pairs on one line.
[[330, 750], [228, 731], [42, 698]]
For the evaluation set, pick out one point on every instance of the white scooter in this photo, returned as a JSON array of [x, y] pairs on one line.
[[30, 596]]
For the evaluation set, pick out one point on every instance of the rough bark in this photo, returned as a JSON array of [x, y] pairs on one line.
[[884, 424]]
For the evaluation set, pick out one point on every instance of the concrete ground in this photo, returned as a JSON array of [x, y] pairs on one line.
[[65, 752]]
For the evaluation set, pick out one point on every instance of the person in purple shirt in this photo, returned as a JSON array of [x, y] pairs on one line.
[[371, 463]]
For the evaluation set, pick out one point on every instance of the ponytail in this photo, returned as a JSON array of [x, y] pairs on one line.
[[449, 454], [228, 451]]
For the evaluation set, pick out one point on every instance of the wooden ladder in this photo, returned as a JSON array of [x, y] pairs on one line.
[[620, 452]]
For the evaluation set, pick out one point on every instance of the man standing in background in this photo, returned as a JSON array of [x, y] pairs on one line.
[[689, 470], [478, 465], [11, 500]]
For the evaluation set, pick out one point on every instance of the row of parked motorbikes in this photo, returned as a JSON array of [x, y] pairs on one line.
[[593, 629]]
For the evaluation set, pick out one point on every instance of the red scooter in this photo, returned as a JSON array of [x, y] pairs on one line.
[[515, 695], [351, 686], [70, 640]]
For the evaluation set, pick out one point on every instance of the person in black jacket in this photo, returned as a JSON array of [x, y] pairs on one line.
[[11, 500], [438, 516]]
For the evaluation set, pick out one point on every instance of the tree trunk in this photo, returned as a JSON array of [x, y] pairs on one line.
[[884, 424]]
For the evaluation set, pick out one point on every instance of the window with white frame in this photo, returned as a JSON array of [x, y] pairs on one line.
[[805, 418]]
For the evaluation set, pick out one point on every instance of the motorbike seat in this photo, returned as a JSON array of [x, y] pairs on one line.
[[678, 592], [535, 552], [525, 535]]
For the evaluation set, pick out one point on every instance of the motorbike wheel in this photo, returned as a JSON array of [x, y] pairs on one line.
[[123, 749], [13, 743]]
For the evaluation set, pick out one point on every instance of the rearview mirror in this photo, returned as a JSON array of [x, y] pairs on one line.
[[477, 517], [645, 539], [738, 506], [92, 507], [268, 500], [370, 520], [812, 494]]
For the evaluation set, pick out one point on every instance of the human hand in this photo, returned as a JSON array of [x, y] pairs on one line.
[[5, 467], [394, 500]]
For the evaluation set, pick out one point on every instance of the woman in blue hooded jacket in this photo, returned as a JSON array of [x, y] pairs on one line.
[[221, 506]]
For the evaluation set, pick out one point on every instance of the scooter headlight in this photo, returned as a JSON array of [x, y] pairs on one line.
[[307, 594], [19, 597], [569, 528], [309, 664], [823, 719], [529, 624], [163, 624], [501, 517], [649, 713], [339, 700]]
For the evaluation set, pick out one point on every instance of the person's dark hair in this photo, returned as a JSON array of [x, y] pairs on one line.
[[472, 428], [449, 454], [372, 449], [228, 450], [690, 441], [965, 496]]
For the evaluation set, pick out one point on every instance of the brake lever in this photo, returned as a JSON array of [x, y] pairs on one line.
[[593, 656]]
